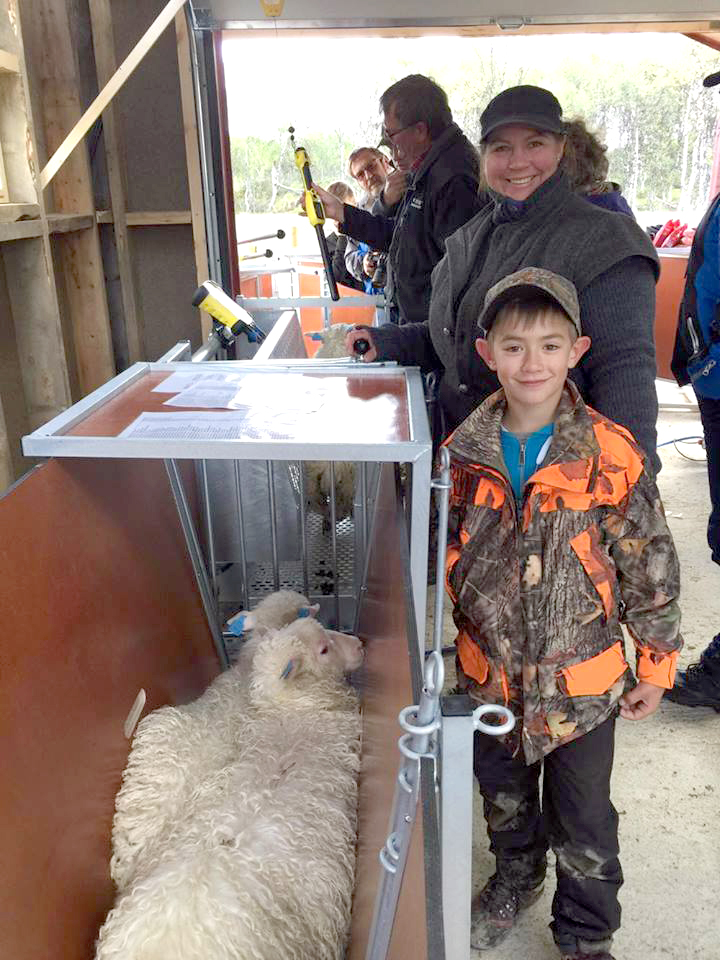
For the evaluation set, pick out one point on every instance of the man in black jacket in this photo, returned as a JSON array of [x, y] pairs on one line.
[[440, 169]]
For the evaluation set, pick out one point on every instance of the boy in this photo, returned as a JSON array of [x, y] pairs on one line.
[[557, 533]]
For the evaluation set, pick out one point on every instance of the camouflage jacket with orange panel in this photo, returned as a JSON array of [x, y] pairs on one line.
[[540, 588]]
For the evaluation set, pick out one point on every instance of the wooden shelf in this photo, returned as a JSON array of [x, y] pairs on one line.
[[20, 230], [9, 62], [69, 222], [10, 212], [149, 218]]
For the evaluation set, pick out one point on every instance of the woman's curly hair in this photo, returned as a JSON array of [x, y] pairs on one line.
[[584, 161]]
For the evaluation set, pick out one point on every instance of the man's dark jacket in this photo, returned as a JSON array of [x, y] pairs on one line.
[[441, 196]]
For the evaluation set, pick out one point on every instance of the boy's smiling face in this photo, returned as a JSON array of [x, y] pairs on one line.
[[531, 356]]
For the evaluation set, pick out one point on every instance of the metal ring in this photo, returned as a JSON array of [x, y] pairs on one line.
[[416, 729], [383, 858], [494, 730], [434, 673]]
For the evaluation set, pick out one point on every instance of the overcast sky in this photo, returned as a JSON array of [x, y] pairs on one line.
[[305, 82]]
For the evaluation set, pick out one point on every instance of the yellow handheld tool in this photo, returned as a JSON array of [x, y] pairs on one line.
[[314, 210], [230, 318]]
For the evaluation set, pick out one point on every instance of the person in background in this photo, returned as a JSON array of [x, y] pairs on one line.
[[337, 242], [586, 164], [438, 172], [370, 168], [557, 536], [536, 219], [696, 360]]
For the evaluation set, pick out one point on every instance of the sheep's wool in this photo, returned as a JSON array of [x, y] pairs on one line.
[[238, 842]]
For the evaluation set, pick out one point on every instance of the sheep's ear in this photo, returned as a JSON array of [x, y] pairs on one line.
[[290, 667]]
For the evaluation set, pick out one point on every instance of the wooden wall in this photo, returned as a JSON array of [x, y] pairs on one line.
[[97, 269]]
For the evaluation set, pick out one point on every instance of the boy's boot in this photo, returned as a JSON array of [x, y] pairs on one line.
[[498, 904], [699, 685], [587, 956]]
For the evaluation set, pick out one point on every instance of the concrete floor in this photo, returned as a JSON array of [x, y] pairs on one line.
[[666, 781]]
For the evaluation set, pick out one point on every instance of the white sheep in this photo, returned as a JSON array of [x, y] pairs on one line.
[[259, 865], [168, 756]]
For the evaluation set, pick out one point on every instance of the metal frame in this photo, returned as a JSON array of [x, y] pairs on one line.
[[326, 304], [52, 440]]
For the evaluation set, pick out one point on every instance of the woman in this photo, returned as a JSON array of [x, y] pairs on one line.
[[536, 219], [586, 165]]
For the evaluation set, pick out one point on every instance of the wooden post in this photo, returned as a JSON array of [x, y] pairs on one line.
[[106, 65], [125, 70], [192, 152], [54, 69]]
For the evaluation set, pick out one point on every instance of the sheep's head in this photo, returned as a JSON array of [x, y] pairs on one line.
[[274, 612], [303, 657]]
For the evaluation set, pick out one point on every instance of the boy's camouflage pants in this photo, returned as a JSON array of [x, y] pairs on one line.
[[576, 818]]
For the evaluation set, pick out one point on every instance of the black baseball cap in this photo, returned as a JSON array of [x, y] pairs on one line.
[[525, 105]]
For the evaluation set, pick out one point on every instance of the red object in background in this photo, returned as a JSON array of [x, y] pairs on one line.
[[674, 236], [664, 231]]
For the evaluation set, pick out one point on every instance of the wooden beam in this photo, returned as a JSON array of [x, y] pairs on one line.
[[70, 222], [149, 218], [109, 90], [79, 273], [708, 39], [192, 154], [106, 65], [20, 230], [9, 63], [19, 211]]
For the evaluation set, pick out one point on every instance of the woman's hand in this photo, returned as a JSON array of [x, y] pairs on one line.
[[360, 333], [641, 701]]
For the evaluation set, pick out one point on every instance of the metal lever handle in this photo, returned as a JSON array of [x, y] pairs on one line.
[[494, 729]]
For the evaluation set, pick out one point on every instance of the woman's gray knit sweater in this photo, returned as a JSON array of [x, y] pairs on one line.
[[614, 268]]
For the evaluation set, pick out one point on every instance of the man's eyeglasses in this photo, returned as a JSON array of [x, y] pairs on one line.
[[388, 139]]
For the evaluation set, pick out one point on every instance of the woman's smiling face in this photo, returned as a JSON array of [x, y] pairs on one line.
[[518, 159]]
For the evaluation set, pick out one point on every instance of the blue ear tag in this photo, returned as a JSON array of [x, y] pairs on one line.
[[314, 336], [288, 670], [236, 625], [303, 612]]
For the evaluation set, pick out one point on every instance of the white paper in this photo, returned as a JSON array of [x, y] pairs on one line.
[[181, 381], [187, 426], [208, 396]]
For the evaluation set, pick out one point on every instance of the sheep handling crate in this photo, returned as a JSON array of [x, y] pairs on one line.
[[139, 544]]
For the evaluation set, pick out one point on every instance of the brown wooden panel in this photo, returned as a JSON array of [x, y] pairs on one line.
[[387, 689], [669, 294], [391, 423], [98, 599]]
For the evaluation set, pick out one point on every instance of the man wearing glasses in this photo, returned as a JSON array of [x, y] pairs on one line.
[[441, 169], [369, 167]]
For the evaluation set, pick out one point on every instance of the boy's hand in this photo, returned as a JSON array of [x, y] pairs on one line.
[[641, 701]]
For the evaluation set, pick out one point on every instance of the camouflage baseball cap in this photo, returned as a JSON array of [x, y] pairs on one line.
[[527, 281]]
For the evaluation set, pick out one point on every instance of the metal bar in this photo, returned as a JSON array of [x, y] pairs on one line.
[[181, 351], [83, 408], [254, 304], [273, 523], [326, 317], [209, 527], [209, 349], [241, 528], [360, 520], [333, 535], [196, 558], [421, 724], [303, 530], [456, 822], [419, 521], [442, 487]]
